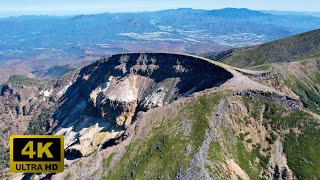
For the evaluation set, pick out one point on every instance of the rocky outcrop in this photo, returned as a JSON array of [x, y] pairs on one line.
[[286, 101]]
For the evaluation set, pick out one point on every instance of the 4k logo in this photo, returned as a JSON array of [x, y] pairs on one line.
[[41, 149], [36, 153]]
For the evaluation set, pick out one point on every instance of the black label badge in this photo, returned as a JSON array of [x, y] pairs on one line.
[[36, 153]]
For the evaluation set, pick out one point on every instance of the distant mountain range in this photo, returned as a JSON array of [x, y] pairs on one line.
[[33, 43], [304, 13]]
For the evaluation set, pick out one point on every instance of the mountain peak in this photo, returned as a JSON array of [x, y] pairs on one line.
[[236, 12]]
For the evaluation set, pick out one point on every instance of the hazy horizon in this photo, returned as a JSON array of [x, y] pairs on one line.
[[76, 7], [75, 13]]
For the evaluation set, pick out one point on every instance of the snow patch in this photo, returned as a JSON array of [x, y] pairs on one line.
[[47, 93], [60, 93]]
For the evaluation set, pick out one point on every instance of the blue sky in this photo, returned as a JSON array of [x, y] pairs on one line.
[[67, 7]]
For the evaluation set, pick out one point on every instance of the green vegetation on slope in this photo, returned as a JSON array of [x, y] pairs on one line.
[[170, 147], [309, 97], [201, 110], [39, 124], [56, 71], [247, 160], [106, 162], [4, 157], [254, 106], [302, 150], [263, 67], [279, 118], [22, 80], [216, 155], [233, 148], [161, 157], [293, 48]]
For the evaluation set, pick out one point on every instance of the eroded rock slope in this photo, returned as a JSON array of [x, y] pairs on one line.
[[109, 94]]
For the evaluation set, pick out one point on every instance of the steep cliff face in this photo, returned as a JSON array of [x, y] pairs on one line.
[[109, 94]]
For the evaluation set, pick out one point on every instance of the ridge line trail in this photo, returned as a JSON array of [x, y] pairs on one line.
[[241, 78]]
